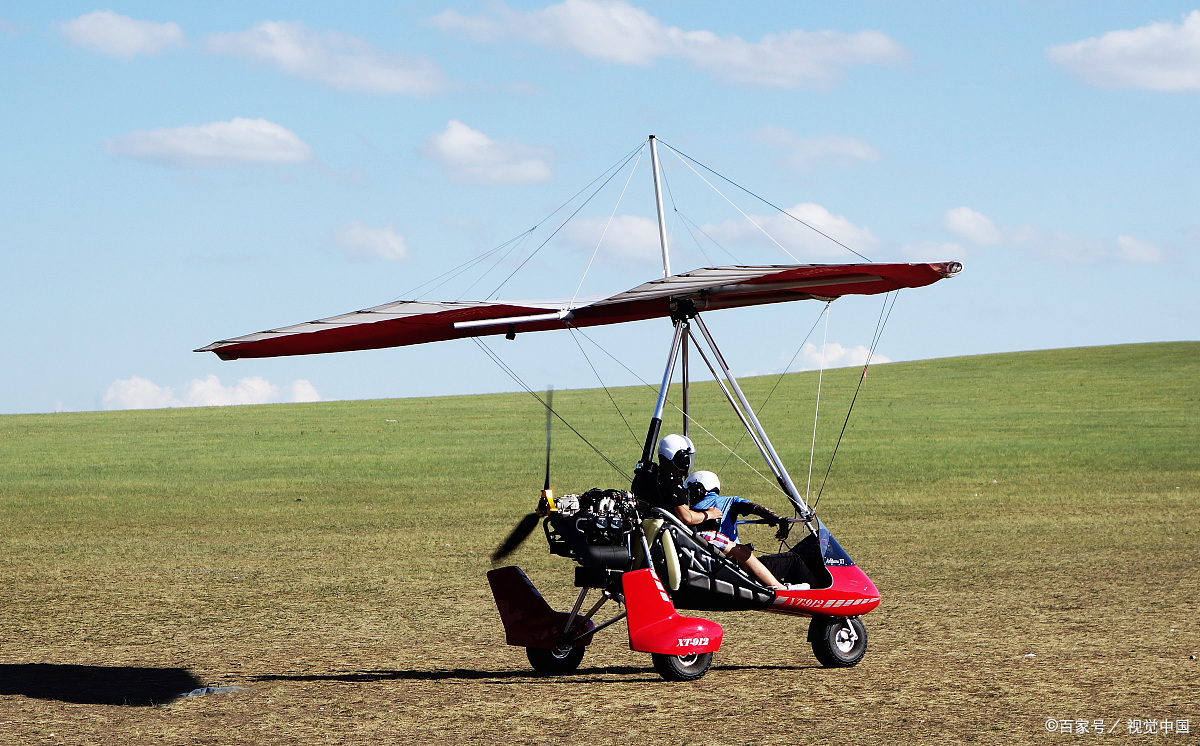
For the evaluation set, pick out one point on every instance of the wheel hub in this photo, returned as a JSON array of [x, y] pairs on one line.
[[845, 639]]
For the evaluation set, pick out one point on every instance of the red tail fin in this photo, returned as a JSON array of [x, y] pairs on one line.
[[655, 626], [529, 622]]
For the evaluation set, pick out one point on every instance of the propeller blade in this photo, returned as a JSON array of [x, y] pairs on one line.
[[549, 412], [526, 525], [519, 534]]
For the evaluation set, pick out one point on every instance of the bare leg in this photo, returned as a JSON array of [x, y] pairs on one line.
[[744, 557]]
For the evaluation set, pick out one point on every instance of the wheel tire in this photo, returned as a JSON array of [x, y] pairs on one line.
[[682, 667], [555, 662], [838, 642]]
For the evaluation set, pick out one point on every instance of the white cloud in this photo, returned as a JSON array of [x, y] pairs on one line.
[[238, 141], [121, 36], [800, 240], [804, 153], [1135, 250], [361, 242], [469, 156], [627, 237], [978, 229], [138, 393], [617, 32], [8, 28], [972, 226], [1156, 57], [837, 356], [338, 60], [303, 391]]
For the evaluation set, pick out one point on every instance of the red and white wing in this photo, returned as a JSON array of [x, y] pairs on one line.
[[416, 322]]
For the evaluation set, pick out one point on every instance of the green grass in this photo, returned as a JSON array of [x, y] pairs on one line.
[[1041, 502]]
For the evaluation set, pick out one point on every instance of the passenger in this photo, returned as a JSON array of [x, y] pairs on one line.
[[675, 453], [704, 488]]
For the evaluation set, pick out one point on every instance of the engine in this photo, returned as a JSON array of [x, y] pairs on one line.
[[597, 518]]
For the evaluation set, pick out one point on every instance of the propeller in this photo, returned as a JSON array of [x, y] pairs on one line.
[[519, 534], [527, 524]]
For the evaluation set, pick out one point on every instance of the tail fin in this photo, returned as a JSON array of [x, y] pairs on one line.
[[655, 626], [529, 621]]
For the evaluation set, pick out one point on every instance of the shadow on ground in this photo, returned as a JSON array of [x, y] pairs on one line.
[[466, 674], [97, 685]]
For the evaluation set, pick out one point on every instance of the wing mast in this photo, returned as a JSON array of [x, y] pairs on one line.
[[656, 421], [662, 224], [643, 472]]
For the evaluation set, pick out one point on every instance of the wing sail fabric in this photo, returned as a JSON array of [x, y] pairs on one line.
[[416, 322]]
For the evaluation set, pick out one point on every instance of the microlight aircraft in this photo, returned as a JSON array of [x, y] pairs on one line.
[[632, 553]]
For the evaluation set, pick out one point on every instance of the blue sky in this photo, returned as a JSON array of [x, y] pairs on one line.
[[174, 175]]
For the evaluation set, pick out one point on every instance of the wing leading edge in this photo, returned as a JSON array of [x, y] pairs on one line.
[[417, 322]]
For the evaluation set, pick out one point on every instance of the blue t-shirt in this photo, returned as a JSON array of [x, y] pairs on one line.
[[722, 503]]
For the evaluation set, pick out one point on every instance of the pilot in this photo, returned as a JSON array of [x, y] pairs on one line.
[[704, 489], [675, 453]]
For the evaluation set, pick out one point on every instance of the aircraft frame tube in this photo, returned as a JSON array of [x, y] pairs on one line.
[[656, 420], [683, 362], [662, 223], [740, 414], [789, 486], [574, 613]]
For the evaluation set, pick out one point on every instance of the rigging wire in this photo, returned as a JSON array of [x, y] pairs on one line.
[[778, 380], [879, 326], [816, 410], [455, 271], [689, 224], [696, 241], [741, 416], [584, 204], [684, 219], [693, 420], [607, 225], [743, 214], [675, 213], [602, 385], [516, 246], [763, 200], [513, 375]]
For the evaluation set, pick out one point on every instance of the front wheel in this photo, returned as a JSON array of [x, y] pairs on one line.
[[555, 662], [682, 667], [838, 642]]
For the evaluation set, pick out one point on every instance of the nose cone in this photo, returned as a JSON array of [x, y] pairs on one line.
[[852, 581], [868, 587], [857, 590]]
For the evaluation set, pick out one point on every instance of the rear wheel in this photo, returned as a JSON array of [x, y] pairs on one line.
[[838, 642], [682, 667], [555, 662]]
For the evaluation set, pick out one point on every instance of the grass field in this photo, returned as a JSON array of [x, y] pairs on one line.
[[1032, 521]]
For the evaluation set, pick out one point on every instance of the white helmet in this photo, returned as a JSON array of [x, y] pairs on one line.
[[703, 482], [677, 449]]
